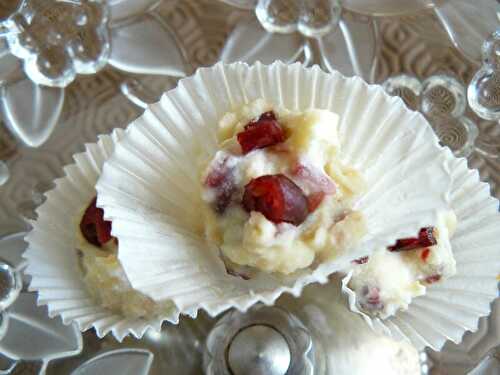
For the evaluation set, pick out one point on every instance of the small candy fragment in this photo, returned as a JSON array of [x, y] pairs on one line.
[[221, 179], [264, 132], [94, 228], [277, 197], [432, 279], [361, 260], [425, 238]]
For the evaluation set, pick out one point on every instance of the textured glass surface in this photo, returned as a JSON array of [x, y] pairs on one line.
[[389, 7]]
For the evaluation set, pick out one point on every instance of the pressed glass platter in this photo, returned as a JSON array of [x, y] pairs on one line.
[[195, 33]]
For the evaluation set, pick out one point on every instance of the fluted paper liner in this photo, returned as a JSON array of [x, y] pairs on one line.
[[52, 256], [150, 187], [453, 306]]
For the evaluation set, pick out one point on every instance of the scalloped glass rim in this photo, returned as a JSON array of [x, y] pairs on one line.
[[382, 8]]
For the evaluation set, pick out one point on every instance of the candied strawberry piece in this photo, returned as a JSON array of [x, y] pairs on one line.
[[263, 132], [425, 238], [432, 279], [277, 197], [314, 200], [314, 179], [361, 260], [221, 179], [94, 228], [103, 229]]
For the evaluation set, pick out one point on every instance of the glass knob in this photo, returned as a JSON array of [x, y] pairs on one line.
[[11, 284], [442, 96], [318, 17], [259, 349], [483, 92], [278, 16], [265, 340]]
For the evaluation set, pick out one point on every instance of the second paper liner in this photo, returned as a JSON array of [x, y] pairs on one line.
[[53, 261], [150, 187], [452, 307]]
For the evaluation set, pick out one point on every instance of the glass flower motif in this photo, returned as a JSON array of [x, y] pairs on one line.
[[45, 44], [442, 100], [306, 30], [473, 28], [29, 338]]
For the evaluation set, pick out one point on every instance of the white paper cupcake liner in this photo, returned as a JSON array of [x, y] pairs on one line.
[[150, 188], [52, 256], [453, 306]]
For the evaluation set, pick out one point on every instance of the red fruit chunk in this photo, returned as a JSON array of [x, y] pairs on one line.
[[425, 254], [264, 132], [277, 198], [425, 238], [94, 228], [221, 179], [314, 179], [314, 200], [432, 279], [361, 260]]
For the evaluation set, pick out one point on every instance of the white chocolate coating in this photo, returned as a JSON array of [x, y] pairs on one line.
[[389, 281], [312, 148]]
